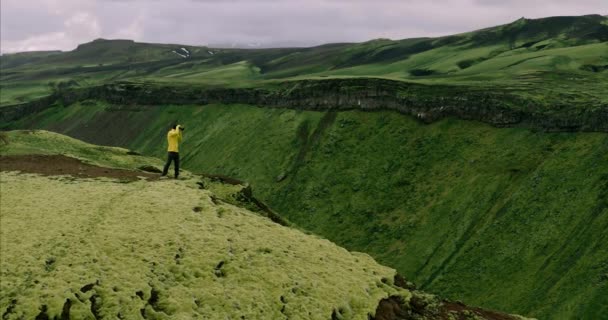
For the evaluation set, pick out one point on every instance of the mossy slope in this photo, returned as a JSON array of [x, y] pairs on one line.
[[127, 250], [164, 249], [100, 249], [43, 142], [510, 219]]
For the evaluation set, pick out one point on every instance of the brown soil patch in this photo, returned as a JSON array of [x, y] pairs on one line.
[[391, 308], [61, 165], [395, 308], [3, 138], [460, 311]]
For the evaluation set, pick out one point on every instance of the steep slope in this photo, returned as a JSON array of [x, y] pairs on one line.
[[100, 249], [21, 58], [428, 103], [514, 219], [459, 207]]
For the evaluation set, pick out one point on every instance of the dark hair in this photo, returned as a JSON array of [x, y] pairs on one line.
[[174, 125]]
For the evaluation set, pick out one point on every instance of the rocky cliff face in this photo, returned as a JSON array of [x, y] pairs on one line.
[[428, 103], [15, 112]]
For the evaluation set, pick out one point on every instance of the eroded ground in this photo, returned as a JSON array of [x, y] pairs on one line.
[[63, 165]]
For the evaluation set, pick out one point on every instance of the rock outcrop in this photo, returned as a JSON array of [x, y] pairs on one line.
[[428, 103]]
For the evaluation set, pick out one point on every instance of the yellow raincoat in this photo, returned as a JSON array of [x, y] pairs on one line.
[[174, 137]]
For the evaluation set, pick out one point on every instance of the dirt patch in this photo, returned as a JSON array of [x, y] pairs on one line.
[[400, 281], [3, 138], [391, 308], [396, 308], [61, 165], [149, 168], [463, 312]]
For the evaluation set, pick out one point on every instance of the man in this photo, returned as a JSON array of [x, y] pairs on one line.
[[174, 137]]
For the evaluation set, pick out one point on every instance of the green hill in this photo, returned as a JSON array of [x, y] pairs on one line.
[[169, 250], [459, 207], [563, 56], [511, 216]]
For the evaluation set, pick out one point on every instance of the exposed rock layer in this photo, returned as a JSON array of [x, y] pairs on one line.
[[425, 102]]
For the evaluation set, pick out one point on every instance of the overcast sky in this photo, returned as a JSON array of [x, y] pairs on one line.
[[62, 24]]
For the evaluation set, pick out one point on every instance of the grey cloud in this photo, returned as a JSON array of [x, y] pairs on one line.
[[63, 24], [598, 4]]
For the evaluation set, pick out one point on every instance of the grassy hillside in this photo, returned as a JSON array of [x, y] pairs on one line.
[[49, 143], [459, 207], [533, 58], [513, 219], [135, 251], [169, 250]]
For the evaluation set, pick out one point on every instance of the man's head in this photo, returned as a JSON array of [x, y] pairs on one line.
[[174, 126]]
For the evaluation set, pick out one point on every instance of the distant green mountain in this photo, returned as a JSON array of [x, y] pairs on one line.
[[556, 56], [511, 216]]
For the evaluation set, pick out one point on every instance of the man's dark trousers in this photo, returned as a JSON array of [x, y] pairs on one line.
[[172, 156]]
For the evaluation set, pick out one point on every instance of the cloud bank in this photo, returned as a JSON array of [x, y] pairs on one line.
[[28, 25]]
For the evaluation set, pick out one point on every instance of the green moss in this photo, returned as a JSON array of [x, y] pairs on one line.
[[459, 207], [23, 142], [511, 219], [118, 248]]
